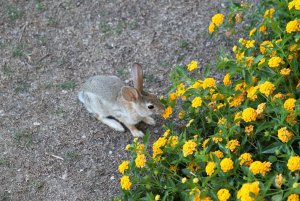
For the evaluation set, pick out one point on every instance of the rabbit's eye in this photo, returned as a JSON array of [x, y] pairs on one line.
[[150, 107]]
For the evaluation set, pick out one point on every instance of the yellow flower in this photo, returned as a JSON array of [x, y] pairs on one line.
[[167, 133], [197, 84], [218, 19], [180, 89], [293, 197], [222, 121], [157, 197], [226, 164], [249, 44], [240, 87], [258, 167], [123, 166], [249, 61], [263, 29], [262, 61], [160, 142], [183, 180], [267, 88], [127, 147], [195, 180], [168, 111], [207, 198], [274, 62], [251, 93], [249, 191], [293, 26], [140, 161], [278, 96], [218, 154], [211, 27], [269, 13], [193, 65], [234, 48], [189, 147], [291, 119], [249, 129], [209, 82], [156, 147], [217, 96], [223, 194], [220, 105], [293, 47], [217, 139], [172, 96], [249, 114], [125, 183], [289, 104], [260, 109], [227, 80], [246, 159], [205, 143], [195, 191], [285, 71], [278, 180], [210, 168], [252, 32], [237, 100], [265, 45], [294, 163], [239, 56], [238, 116], [291, 5], [232, 144], [284, 135], [196, 102], [173, 140], [140, 148]]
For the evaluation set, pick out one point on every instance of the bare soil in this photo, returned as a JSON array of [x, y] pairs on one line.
[[50, 147]]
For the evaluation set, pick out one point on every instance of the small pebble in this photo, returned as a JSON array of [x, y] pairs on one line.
[[36, 123]]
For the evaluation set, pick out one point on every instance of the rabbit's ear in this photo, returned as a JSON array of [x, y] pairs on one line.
[[130, 94], [137, 75]]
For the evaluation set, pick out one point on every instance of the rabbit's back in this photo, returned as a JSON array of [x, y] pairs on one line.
[[105, 87]]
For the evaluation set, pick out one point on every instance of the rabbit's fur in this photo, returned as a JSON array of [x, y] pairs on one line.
[[107, 96]]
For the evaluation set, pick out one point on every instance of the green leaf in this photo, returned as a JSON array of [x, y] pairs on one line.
[[258, 58], [277, 197], [272, 148]]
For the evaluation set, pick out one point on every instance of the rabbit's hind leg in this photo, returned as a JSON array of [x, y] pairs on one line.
[[111, 123]]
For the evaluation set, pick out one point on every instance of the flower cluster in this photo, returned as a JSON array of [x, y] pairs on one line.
[[235, 138], [216, 21]]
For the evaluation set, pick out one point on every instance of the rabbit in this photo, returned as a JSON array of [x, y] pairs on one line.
[[107, 96]]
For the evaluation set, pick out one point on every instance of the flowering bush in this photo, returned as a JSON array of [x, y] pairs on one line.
[[240, 139]]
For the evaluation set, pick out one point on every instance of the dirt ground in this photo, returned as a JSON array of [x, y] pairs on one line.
[[50, 148]]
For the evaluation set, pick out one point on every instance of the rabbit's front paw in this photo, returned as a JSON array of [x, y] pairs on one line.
[[137, 133], [149, 120]]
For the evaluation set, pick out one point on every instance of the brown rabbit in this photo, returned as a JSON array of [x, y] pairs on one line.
[[107, 96]]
